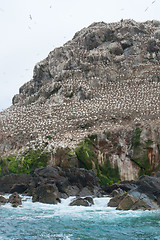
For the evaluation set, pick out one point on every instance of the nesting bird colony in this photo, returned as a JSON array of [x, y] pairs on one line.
[[106, 77]]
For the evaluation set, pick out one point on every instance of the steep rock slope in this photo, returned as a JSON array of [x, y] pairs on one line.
[[105, 80]]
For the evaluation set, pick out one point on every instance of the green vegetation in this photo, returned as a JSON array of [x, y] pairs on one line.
[[136, 138], [85, 153], [140, 153], [149, 142], [65, 158], [87, 156], [25, 162], [109, 175]]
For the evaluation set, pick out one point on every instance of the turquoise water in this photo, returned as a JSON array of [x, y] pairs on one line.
[[37, 221]]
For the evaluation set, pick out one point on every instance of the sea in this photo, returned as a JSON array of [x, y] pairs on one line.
[[38, 221]]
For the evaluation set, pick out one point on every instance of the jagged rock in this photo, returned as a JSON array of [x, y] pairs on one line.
[[3, 200], [124, 186], [149, 186], [19, 188], [115, 48], [156, 23], [87, 201], [152, 46], [115, 201], [85, 192], [157, 34], [117, 192], [126, 43], [71, 190], [47, 193], [15, 200], [145, 195], [65, 182], [12, 181], [135, 200]]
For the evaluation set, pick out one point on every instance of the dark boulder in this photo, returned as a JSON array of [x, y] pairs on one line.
[[144, 195], [88, 201], [115, 201], [72, 190], [152, 45], [47, 193], [125, 186], [3, 200], [135, 200], [149, 186], [47, 172], [15, 200], [85, 192], [8, 182], [115, 48], [117, 192], [19, 188]]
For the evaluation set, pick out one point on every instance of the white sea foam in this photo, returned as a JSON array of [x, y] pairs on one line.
[[64, 222]]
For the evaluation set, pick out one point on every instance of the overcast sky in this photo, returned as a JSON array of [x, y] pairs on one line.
[[30, 29]]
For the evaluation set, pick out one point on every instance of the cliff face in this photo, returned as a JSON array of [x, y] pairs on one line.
[[105, 80]]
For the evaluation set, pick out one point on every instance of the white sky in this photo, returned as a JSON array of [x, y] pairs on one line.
[[30, 29]]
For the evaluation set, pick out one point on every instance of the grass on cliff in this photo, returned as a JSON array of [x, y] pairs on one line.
[[140, 153], [84, 156], [24, 162], [87, 156], [85, 153]]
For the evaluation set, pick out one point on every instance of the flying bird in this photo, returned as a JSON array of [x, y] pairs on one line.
[[153, 1], [146, 9], [30, 16]]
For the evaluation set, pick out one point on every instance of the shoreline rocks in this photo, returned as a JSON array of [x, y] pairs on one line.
[[145, 195], [86, 202], [14, 199], [49, 184]]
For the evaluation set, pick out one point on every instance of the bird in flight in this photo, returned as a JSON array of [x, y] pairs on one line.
[[30, 16], [146, 9]]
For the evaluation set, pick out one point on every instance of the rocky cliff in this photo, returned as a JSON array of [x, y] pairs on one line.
[[105, 82]]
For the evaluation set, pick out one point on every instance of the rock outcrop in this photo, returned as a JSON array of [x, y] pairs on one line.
[[86, 202], [48, 185], [105, 81], [15, 200], [145, 196], [3, 200], [14, 183]]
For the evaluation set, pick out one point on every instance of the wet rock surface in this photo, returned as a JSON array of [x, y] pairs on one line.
[[145, 196], [86, 202], [15, 200], [3, 200], [48, 185]]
